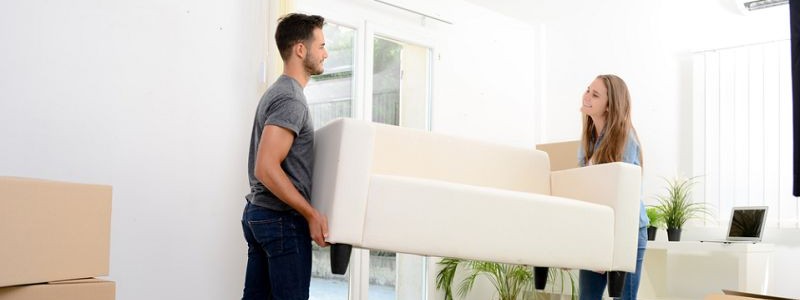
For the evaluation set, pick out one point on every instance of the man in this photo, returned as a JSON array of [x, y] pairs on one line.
[[278, 221]]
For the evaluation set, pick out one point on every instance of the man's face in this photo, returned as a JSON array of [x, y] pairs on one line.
[[316, 54]]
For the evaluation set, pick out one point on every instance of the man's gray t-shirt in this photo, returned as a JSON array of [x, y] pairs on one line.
[[284, 105]]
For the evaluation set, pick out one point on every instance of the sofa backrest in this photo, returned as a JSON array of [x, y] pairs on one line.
[[348, 152], [421, 154]]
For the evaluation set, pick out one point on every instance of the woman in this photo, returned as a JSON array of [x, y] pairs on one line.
[[608, 136]]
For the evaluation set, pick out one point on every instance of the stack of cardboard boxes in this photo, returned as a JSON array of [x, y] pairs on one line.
[[54, 239]]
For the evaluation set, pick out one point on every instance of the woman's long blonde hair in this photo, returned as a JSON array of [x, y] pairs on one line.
[[618, 124]]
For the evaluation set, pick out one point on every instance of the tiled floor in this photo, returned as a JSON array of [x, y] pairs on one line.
[[327, 289]]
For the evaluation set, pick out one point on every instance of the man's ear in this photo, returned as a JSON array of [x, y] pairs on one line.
[[300, 50]]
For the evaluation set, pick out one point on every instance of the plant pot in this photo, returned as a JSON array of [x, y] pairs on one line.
[[651, 233], [673, 234]]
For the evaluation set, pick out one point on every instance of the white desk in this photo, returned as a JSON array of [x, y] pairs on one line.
[[693, 269]]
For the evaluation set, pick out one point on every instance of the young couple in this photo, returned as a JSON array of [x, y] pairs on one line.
[[278, 221]]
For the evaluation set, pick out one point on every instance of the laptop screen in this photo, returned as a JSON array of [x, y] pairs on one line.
[[747, 223]]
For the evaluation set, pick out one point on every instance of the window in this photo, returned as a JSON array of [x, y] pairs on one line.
[[743, 131], [400, 76]]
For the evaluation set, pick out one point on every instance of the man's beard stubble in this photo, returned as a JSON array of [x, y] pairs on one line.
[[311, 67]]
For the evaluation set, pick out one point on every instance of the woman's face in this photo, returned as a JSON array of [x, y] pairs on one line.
[[595, 99]]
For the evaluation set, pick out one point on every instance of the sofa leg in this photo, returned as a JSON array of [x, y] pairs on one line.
[[540, 277], [340, 258], [616, 281]]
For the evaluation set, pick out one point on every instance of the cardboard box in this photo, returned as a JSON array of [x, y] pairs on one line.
[[563, 155], [52, 231], [86, 289]]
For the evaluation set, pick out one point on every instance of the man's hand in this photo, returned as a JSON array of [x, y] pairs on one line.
[[318, 226]]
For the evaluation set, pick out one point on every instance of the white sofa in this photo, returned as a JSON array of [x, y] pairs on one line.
[[411, 191]]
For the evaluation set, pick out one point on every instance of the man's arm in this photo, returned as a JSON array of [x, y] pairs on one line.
[[272, 150]]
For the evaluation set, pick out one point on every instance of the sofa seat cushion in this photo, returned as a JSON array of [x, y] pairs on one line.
[[438, 218]]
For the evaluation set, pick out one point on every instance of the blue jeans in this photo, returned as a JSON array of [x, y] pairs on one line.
[[592, 284], [278, 254]]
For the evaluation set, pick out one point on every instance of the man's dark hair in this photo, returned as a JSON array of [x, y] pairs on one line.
[[295, 28]]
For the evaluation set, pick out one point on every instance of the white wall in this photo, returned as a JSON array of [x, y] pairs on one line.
[[155, 98], [485, 86]]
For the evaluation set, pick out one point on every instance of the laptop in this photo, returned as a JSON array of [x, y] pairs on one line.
[[746, 225]]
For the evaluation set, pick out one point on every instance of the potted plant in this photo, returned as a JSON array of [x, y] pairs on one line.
[[655, 222], [676, 207], [510, 281]]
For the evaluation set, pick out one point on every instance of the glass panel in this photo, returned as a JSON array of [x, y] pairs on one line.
[[382, 275], [324, 284], [330, 94], [400, 83], [329, 97], [400, 91], [386, 81]]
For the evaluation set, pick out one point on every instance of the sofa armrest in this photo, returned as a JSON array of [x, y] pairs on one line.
[[617, 185], [343, 152]]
